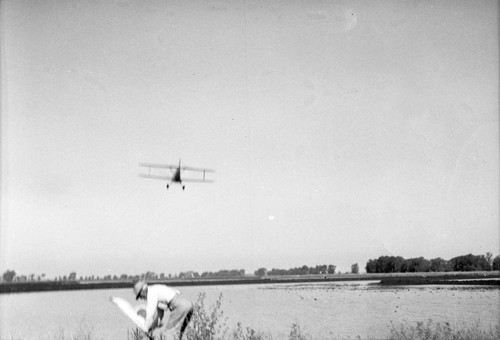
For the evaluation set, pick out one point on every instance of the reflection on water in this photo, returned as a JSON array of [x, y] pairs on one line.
[[324, 310]]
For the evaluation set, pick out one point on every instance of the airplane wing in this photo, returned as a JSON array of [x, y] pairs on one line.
[[196, 169], [166, 178], [197, 180], [174, 169], [159, 166]]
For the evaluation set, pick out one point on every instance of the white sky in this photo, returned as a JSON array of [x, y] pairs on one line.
[[340, 131]]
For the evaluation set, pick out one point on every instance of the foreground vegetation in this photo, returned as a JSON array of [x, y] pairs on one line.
[[432, 330]]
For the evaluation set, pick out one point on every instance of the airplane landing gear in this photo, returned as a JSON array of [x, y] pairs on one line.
[[168, 186], [183, 187]]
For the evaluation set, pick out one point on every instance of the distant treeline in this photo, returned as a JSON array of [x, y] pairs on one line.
[[304, 270], [384, 264], [397, 264], [11, 276]]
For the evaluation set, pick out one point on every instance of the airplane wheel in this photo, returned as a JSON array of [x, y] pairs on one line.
[[183, 187]]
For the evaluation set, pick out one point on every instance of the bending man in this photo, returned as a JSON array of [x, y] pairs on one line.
[[161, 298]]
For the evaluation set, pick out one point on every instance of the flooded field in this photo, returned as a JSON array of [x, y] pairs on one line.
[[323, 310]]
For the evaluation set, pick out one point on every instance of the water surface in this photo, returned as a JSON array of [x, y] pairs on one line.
[[324, 310]]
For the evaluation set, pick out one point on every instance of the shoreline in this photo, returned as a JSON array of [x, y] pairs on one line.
[[491, 278]]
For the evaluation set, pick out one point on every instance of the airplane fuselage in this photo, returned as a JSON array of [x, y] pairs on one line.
[[177, 176]]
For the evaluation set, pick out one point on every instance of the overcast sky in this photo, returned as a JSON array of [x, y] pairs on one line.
[[340, 131]]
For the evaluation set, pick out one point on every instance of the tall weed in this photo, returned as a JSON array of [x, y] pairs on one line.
[[248, 333], [207, 323], [296, 333]]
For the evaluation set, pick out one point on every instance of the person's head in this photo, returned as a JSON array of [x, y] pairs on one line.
[[141, 290]]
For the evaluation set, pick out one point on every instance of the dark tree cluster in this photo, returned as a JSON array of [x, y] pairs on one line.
[[304, 270], [468, 263], [354, 268], [224, 274], [397, 264], [9, 275]]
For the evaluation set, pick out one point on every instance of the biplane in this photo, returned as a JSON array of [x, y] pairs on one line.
[[155, 172]]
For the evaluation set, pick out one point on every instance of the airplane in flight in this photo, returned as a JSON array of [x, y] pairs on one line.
[[176, 170]]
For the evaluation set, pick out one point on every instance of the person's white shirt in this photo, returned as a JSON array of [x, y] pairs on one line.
[[159, 296]]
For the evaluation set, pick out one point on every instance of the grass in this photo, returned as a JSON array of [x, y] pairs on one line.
[[438, 331]]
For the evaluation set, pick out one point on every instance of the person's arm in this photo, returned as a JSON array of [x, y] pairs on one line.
[[151, 307]]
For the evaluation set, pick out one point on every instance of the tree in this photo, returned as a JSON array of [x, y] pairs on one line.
[[261, 272], [385, 264], [418, 264], [489, 257], [304, 270], [150, 275], [331, 269], [371, 266], [438, 265], [355, 268], [496, 263], [320, 269], [72, 276], [9, 275], [470, 263]]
